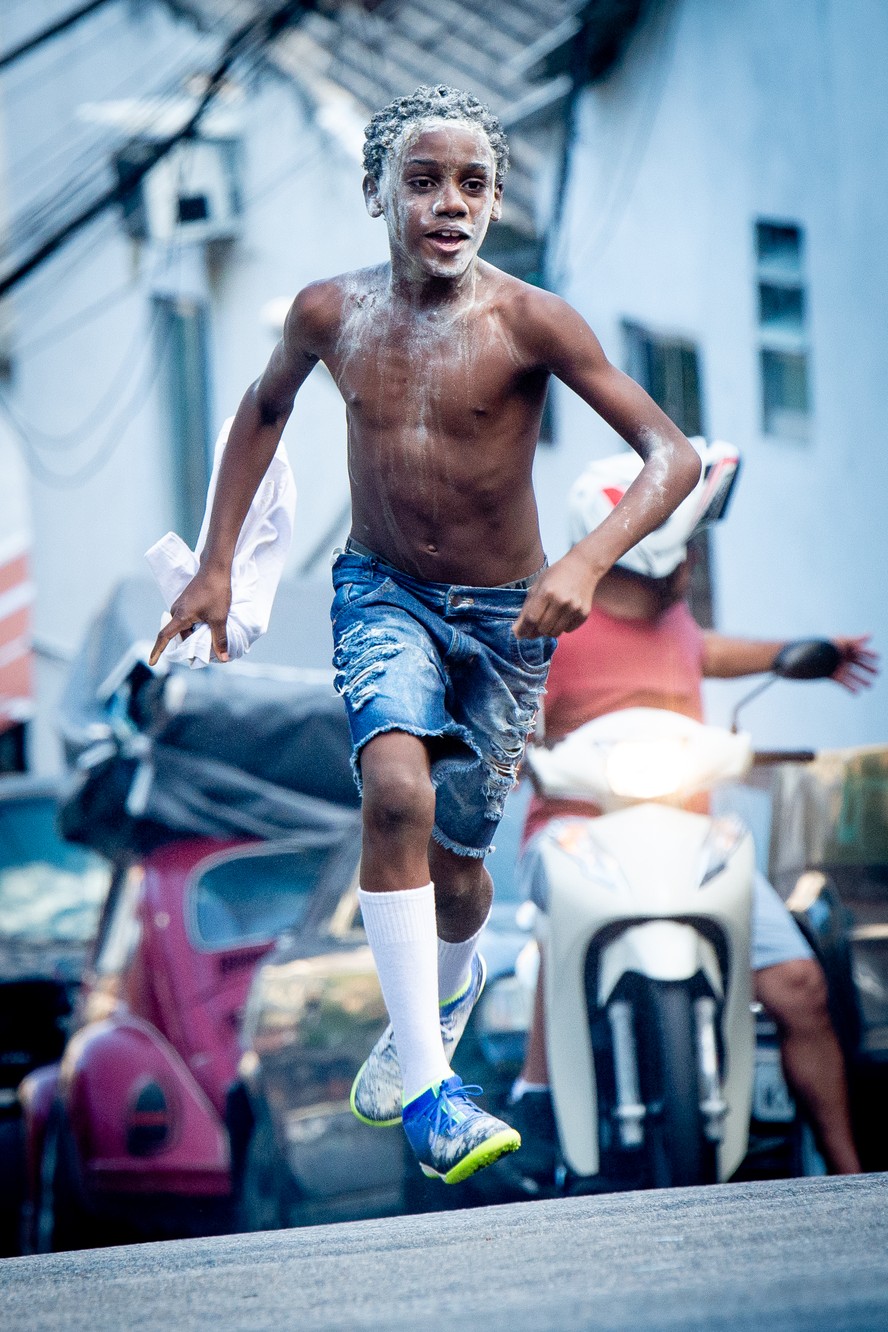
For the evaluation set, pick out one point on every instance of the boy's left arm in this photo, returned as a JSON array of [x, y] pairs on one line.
[[566, 346], [726, 658]]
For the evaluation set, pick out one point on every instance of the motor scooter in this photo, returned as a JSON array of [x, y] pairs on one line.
[[643, 924]]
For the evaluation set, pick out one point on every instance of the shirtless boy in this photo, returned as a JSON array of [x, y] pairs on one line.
[[445, 614]]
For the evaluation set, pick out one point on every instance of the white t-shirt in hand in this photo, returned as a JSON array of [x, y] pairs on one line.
[[259, 560]]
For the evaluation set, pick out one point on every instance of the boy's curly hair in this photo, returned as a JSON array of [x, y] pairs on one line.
[[387, 126]]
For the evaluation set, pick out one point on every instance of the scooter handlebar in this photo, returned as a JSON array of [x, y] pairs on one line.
[[768, 758]]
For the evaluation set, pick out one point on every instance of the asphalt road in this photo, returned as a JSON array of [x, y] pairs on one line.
[[800, 1254]]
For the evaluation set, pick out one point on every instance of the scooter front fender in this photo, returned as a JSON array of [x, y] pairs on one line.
[[663, 950]]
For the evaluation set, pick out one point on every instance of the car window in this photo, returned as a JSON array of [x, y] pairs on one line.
[[50, 890], [250, 896]]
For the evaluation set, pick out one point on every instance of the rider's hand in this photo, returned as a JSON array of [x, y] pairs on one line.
[[859, 664], [206, 600], [560, 599]]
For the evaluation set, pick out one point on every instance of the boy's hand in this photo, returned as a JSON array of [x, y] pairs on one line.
[[206, 600], [560, 599], [859, 664]]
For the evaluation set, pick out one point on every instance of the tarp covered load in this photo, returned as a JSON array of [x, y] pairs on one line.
[[241, 750]]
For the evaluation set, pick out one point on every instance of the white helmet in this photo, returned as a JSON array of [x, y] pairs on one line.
[[603, 484]]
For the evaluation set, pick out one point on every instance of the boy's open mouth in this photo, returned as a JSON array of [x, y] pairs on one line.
[[447, 239]]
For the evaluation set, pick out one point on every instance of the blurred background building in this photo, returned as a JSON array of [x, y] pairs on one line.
[[705, 182]]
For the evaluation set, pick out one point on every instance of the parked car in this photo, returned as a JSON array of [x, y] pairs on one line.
[[127, 1134], [51, 894], [225, 799]]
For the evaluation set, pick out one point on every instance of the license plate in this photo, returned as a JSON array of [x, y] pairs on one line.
[[771, 1099]]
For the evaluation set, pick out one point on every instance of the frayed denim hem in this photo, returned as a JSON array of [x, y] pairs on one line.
[[472, 852], [421, 733]]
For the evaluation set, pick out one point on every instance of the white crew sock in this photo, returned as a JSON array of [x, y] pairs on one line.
[[455, 965], [521, 1086], [402, 934]]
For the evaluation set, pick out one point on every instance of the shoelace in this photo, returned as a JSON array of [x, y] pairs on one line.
[[445, 1104]]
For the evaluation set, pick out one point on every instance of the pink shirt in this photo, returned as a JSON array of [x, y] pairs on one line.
[[608, 664]]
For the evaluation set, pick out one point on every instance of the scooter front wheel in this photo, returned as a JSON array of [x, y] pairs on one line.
[[679, 1151]]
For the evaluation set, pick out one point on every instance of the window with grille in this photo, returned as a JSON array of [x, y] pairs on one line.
[[782, 321], [669, 369]]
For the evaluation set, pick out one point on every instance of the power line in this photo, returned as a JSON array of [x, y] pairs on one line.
[[42, 156], [260, 194], [32, 43], [262, 30], [112, 440]]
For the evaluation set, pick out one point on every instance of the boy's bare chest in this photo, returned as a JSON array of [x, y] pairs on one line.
[[389, 374]]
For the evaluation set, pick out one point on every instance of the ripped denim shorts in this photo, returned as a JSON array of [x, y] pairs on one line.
[[440, 660]]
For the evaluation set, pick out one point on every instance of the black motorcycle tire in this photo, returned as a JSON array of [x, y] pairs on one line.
[[679, 1152]]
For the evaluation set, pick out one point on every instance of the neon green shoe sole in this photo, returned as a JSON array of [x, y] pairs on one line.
[[484, 1155]]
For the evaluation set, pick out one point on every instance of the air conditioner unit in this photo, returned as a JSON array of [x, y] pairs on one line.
[[191, 194]]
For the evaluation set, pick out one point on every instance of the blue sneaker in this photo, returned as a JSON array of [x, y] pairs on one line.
[[451, 1136], [377, 1091]]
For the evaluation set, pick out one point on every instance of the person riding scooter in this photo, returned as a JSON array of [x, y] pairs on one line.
[[641, 647]]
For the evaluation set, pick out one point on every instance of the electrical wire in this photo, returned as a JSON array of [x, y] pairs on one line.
[[61, 25], [85, 171], [39, 163], [144, 385], [76, 322], [82, 475], [77, 435], [112, 440]]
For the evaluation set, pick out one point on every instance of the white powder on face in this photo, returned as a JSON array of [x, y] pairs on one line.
[[395, 203]]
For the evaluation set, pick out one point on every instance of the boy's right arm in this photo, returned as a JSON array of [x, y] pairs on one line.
[[252, 441]]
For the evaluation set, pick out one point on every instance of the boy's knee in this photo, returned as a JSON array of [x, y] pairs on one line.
[[399, 801]]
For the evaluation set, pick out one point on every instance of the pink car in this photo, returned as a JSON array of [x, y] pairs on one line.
[[126, 1137]]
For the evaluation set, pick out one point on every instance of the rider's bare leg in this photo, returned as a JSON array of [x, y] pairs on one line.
[[795, 995], [536, 1066]]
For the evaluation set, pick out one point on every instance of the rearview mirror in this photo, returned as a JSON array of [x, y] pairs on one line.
[[807, 659]]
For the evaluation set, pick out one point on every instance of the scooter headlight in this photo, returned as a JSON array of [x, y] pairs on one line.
[[647, 769], [724, 837]]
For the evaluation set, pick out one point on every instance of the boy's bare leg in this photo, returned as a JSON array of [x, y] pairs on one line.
[[398, 810], [463, 893], [423, 933], [398, 902], [795, 995]]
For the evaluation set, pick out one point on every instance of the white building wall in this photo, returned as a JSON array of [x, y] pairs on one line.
[[719, 115], [86, 391], [83, 356], [305, 220]]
